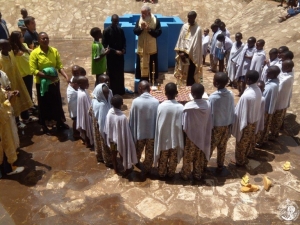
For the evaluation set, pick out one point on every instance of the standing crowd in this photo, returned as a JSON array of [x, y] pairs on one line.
[[167, 131]]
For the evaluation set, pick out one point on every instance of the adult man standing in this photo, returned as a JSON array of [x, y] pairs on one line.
[[4, 33], [114, 39], [148, 29], [189, 51], [31, 37]]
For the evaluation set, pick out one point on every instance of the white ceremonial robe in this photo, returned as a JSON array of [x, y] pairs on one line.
[[270, 94], [142, 118], [261, 121], [72, 101], [231, 66], [117, 130], [258, 60], [246, 110], [101, 106], [205, 42], [285, 90], [84, 120], [197, 124], [168, 131], [214, 42], [263, 76]]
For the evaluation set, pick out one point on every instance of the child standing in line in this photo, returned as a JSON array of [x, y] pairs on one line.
[[98, 54], [259, 57]]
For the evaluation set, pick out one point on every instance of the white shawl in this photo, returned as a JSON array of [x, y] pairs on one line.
[[100, 106], [231, 66], [246, 110], [205, 42], [142, 118], [263, 76], [84, 121], [261, 121], [285, 90], [168, 131], [258, 60], [271, 94], [117, 130], [197, 124], [72, 101], [4, 80]]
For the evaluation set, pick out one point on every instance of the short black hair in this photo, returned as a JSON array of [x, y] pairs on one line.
[[253, 39], [288, 55], [192, 13], [239, 33], [284, 48], [222, 24], [252, 75], [28, 19], [171, 89], [218, 21], [221, 77], [197, 90], [214, 25], [275, 70], [116, 101], [289, 62], [220, 37], [94, 31], [82, 71], [273, 51], [262, 41], [261, 82]]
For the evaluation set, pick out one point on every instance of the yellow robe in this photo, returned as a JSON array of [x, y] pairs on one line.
[[22, 102]]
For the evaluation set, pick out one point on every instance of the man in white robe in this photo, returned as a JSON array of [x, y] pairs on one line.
[[189, 50], [270, 94], [246, 118], [168, 141], [273, 60], [205, 42], [236, 49], [286, 80], [142, 122], [212, 47], [197, 125], [84, 123], [119, 137], [259, 57]]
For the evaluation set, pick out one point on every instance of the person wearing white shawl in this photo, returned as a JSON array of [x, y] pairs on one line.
[[118, 136], [197, 125], [84, 122], [100, 107], [224, 30], [142, 121], [243, 63], [246, 118], [205, 42], [273, 60], [189, 51], [270, 94], [212, 46], [236, 49], [286, 80], [281, 50], [223, 47], [222, 107], [168, 141], [259, 57]]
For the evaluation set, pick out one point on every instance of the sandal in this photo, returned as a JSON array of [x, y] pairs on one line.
[[30, 120], [21, 125]]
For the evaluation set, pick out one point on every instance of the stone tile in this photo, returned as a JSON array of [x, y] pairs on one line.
[[58, 180], [150, 208], [212, 207]]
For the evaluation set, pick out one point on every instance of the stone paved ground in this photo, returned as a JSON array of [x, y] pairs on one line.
[[63, 184]]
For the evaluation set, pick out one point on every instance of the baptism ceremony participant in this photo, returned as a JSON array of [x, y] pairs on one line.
[[236, 49], [224, 30], [243, 63], [259, 57], [205, 42], [22, 103], [281, 50], [168, 141], [286, 80], [142, 121], [118, 136], [222, 108], [84, 122], [100, 107], [270, 94], [50, 104], [189, 51], [246, 117], [114, 38], [212, 47], [223, 47], [197, 125], [147, 29], [273, 60]]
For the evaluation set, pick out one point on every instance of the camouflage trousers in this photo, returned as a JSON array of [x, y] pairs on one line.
[[192, 157], [244, 146], [277, 122], [148, 144], [262, 136], [167, 163]]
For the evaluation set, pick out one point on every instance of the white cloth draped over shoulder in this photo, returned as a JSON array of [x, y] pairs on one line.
[[197, 124], [246, 110], [72, 101], [231, 66], [190, 42], [4, 80], [285, 90], [258, 60], [117, 130], [271, 94], [101, 106], [205, 42], [269, 63], [84, 120], [261, 121], [142, 118], [168, 131]]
